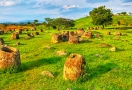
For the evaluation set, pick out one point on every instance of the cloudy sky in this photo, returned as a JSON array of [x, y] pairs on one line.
[[18, 10]]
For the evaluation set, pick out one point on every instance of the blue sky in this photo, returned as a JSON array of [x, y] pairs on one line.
[[18, 10]]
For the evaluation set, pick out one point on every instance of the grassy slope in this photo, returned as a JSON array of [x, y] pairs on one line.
[[83, 22], [86, 21], [109, 71]]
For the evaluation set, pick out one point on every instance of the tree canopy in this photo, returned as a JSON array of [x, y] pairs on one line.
[[101, 16], [59, 22]]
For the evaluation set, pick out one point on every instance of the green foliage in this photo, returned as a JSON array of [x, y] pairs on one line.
[[63, 22], [101, 16], [122, 13], [58, 23]]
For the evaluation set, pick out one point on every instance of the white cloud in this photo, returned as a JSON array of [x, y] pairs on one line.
[[70, 6], [9, 2]]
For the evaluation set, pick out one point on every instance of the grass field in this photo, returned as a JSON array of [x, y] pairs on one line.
[[107, 70], [87, 21]]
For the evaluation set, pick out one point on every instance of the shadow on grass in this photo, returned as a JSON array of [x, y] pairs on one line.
[[37, 63], [101, 69]]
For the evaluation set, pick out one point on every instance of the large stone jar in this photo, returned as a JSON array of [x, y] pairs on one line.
[[9, 57], [73, 67]]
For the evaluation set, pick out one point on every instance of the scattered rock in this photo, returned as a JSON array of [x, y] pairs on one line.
[[104, 45], [71, 33], [116, 38], [61, 53], [14, 36], [117, 33], [1, 41], [98, 35], [56, 38], [82, 40], [18, 43], [88, 34], [124, 34], [9, 57], [1, 32], [113, 49], [65, 36], [73, 39], [68, 89], [48, 74], [19, 31], [80, 32], [47, 47], [36, 33], [108, 33], [73, 67], [41, 30], [29, 35]]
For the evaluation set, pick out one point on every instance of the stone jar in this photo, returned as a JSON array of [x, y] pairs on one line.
[[73, 67], [9, 57]]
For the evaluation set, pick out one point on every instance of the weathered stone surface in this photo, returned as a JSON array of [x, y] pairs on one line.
[[88, 34], [1, 41], [19, 31], [98, 35], [96, 28], [9, 57], [117, 33], [71, 33], [18, 43], [113, 49], [80, 32], [1, 32], [68, 89], [29, 35], [48, 74], [108, 33], [61, 53], [73, 67], [82, 40], [56, 38], [73, 39], [36, 33], [104, 45], [65, 36], [14, 36], [47, 47], [41, 30]]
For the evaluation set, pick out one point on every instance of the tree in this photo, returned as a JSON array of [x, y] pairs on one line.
[[63, 22], [48, 22], [28, 23], [123, 13], [101, 16], [130, 13], [35, 22]]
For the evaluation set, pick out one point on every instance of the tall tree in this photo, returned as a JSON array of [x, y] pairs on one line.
[[101, 16], [35, 22]]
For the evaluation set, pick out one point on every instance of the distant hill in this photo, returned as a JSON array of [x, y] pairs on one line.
[[22, 21]]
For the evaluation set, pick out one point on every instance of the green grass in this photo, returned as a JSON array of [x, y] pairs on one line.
[[87, 22], [108, 71]]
